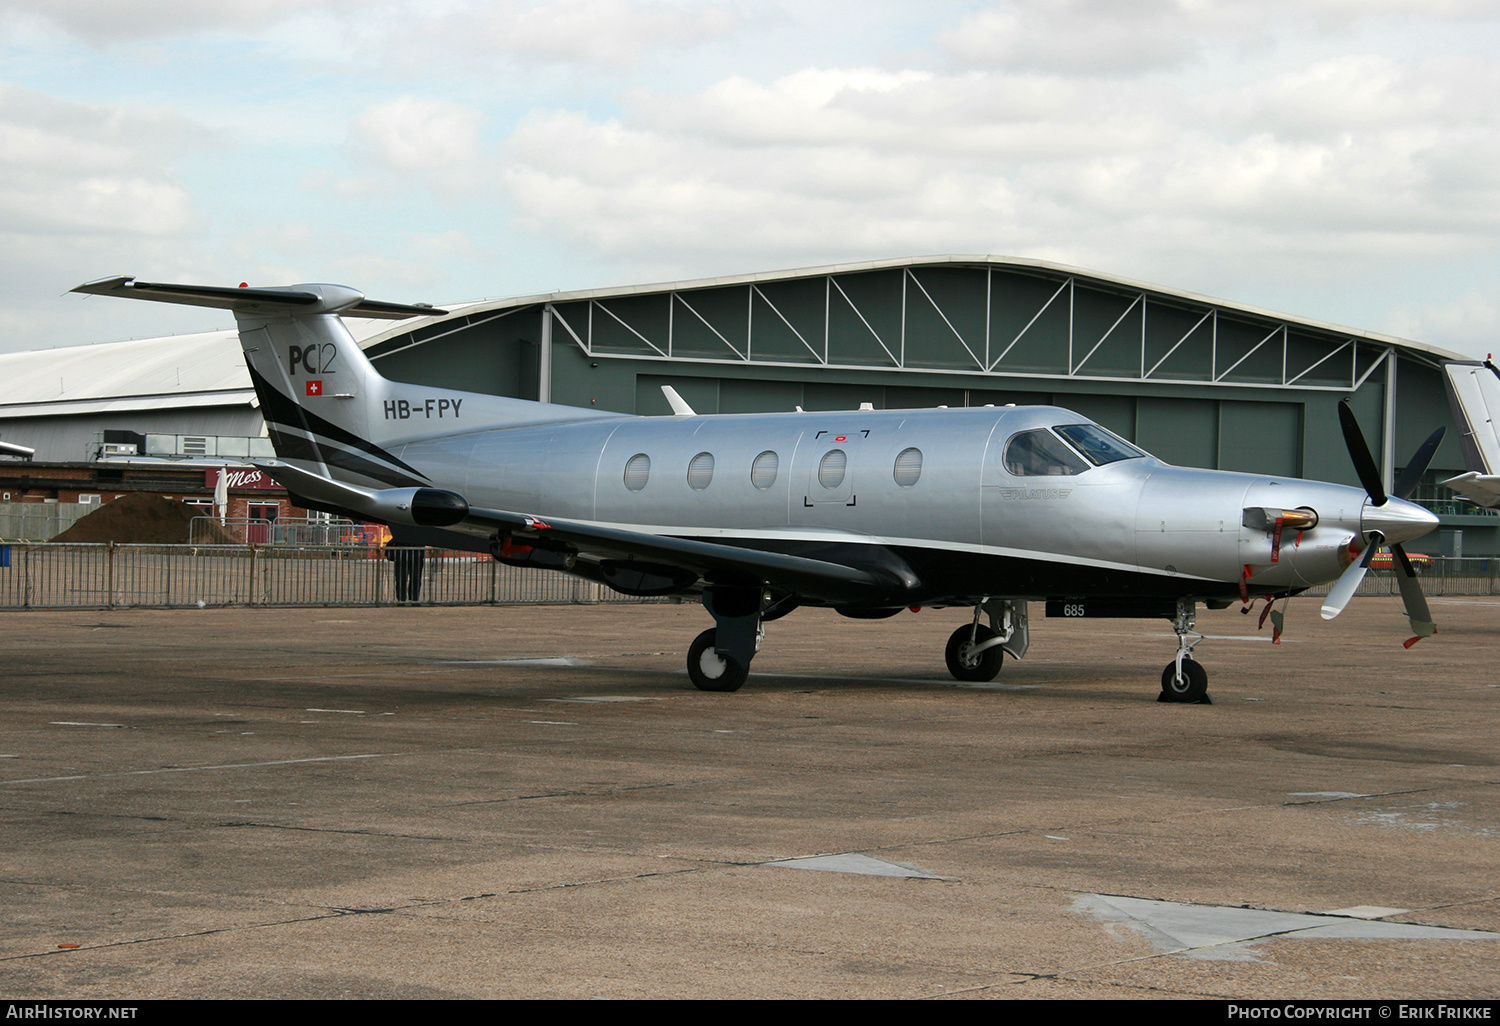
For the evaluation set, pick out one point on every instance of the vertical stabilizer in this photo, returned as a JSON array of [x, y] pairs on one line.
[[1474, 398]]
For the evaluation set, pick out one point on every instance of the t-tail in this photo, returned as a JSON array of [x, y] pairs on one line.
[[328, 411]]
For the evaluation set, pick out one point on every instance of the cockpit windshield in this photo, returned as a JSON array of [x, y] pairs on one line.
[[1099, 445], [1041, 453]]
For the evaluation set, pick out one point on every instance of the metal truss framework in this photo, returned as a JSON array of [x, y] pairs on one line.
[[987, 320]]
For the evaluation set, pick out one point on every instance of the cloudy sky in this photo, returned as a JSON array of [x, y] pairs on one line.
[[1336, 159]]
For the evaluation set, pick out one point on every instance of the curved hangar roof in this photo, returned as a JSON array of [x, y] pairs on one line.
[[995, 316], [967, 314], [172, 372]]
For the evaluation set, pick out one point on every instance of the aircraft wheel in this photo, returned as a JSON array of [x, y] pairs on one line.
[[1192, 686], [964, 664], [709, 670]]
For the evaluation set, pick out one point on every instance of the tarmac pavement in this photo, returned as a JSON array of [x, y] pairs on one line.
[[535, 802]]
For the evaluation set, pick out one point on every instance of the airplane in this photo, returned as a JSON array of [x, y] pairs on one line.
[[869, 512], [1474, 397]]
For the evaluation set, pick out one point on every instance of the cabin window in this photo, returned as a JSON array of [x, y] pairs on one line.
[[701, 471], [763, 470], [637, 471], [1040, 453], [908, 467], [831, 468]]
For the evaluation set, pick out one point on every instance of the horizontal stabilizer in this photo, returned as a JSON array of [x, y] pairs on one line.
[[1480, 489], [292, 299]]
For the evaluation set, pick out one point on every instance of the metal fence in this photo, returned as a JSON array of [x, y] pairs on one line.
[[1443, 575], [309, 531], [61, 576]]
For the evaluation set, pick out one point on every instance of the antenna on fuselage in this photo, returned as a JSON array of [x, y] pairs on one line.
[[680, 407]]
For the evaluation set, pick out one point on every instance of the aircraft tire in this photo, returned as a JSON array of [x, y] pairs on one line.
[[975, 669], [710, 671], [1193, 687]]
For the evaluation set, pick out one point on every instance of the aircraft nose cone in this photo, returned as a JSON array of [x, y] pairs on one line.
[[1398, 520]]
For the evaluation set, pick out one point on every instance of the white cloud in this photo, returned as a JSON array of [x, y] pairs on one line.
[[433, 36], [70, 168], [1354, 160], [434, 141], [1469, 324], [1086, 37], [611, 32], [106, 21], [1282, 148]]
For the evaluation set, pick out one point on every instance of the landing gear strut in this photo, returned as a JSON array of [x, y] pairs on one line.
[[975, 652], [1184, 679]]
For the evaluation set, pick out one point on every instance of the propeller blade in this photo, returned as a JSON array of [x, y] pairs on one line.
[[1412, 597], [1418, 465], [1359, 452], [1348, 581]]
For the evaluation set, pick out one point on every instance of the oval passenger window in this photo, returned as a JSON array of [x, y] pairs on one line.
[[908, 467], [701, 471], [831, 468], [763, 470], [637, 471]]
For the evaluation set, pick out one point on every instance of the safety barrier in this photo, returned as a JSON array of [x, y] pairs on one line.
[[54, 575], [304, 531], [40, 521], [62, 576]]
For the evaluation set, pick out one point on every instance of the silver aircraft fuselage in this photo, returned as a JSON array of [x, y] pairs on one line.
[[968, 525]]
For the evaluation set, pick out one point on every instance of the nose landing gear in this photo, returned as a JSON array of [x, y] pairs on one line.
[[1184, 679]]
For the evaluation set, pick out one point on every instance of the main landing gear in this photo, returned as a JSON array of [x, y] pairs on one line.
[[711, 671], [1185, 679], [975, 652], [719, 658]]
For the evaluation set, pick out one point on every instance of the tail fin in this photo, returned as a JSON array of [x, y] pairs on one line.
[[327, 409], [1474, 399]]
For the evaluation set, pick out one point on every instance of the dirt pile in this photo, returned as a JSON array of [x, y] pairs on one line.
[[143, 519]]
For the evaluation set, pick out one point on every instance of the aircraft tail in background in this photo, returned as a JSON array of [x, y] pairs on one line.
[[1474, 396]]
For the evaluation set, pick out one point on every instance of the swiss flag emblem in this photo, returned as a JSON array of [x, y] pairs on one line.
[[315, 388]]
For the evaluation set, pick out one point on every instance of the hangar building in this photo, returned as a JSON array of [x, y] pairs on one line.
[[1194, 380]]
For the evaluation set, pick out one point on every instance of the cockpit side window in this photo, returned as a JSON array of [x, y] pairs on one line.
[[1099, 445], [1040, 453]]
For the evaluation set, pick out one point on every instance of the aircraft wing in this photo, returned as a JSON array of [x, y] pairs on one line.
[[873, 576]]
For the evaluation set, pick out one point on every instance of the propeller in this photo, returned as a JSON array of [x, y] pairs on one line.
[[1369, 476]]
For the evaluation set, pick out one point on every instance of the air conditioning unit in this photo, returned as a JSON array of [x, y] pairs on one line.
[[118, 449]]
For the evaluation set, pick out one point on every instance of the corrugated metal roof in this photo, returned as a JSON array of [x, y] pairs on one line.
[[205, 368], [178, 365], [455, 310]]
